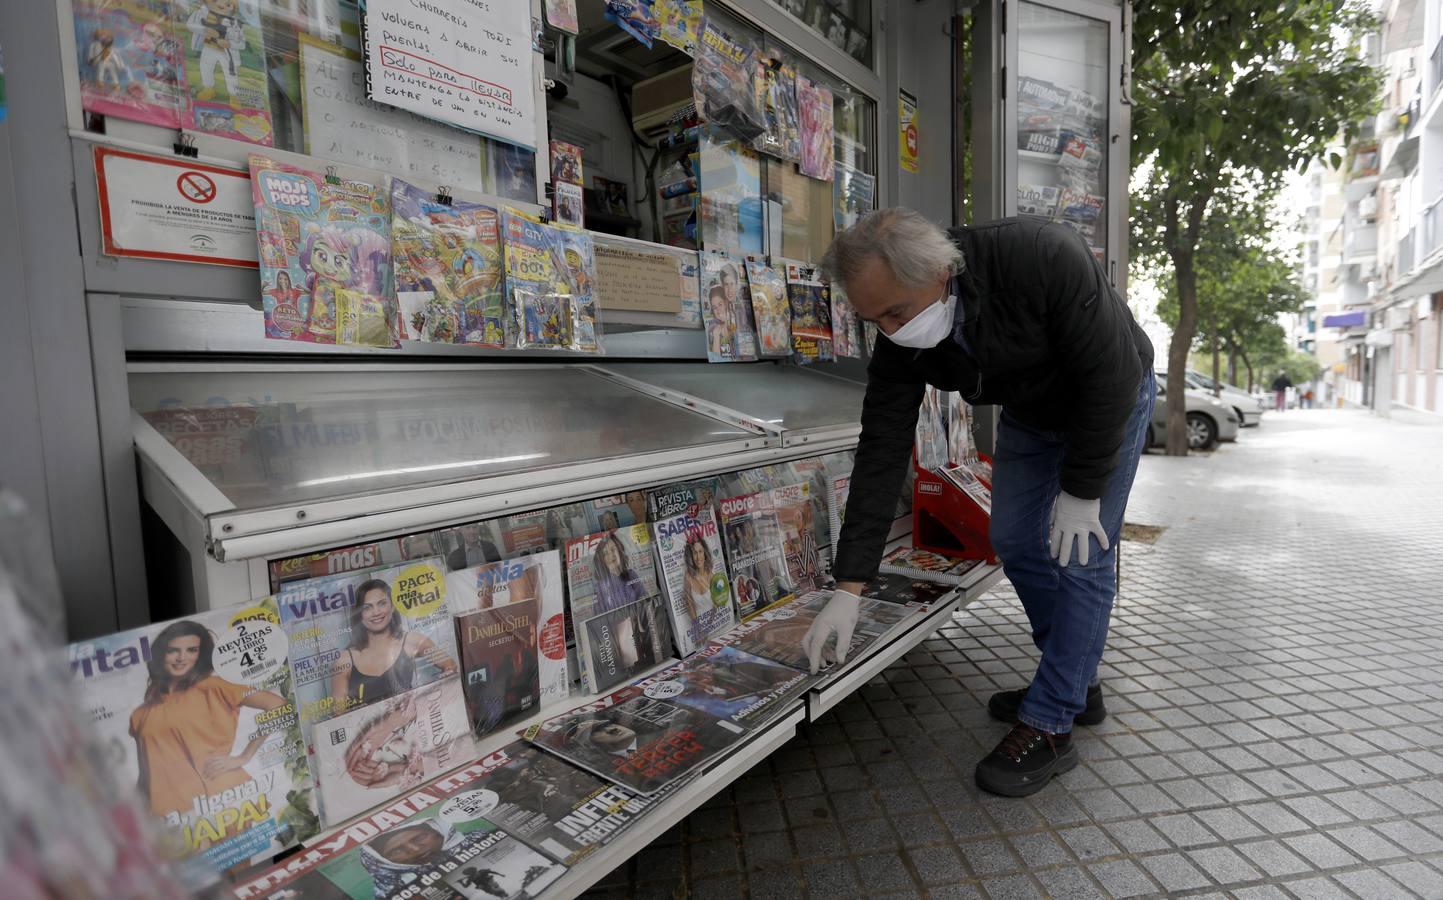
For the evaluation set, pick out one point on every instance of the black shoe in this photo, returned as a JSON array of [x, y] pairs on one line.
[[1025, 761], [1004, 705]]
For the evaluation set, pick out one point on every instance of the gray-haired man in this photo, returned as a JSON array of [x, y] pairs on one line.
[[1016, 313]]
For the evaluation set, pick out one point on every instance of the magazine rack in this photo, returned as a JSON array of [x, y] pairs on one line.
[[945, 520]]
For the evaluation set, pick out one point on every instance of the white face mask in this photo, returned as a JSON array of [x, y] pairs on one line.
[[928, 328]]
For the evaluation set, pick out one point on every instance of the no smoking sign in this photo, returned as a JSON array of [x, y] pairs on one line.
[[197, 187]]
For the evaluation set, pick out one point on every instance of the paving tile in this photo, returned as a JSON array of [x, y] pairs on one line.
[[1410, 837], [1136, 836], [1319, 888], [1069, 882], [774, 884], [938, 865], [1416, 877], [1321, 851], [989, 857], [1273, 858], [1122, 878], [1228, 824], [1016, 887], [1041, 849], [1224, 865], [1174, 872], [881, 872], [834, 878], [1184, 830], [1370, 884]]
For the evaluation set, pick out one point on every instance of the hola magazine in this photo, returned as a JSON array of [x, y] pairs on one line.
[[698, 594], [363, 637], [199, 712]]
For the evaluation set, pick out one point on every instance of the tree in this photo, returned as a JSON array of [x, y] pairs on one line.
[[1244, 281], [1225, 90]]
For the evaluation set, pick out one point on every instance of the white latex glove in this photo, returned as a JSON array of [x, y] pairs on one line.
[[839, 616], [1073, 517]]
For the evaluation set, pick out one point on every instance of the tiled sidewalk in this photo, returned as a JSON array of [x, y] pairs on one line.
[[1275, 682]]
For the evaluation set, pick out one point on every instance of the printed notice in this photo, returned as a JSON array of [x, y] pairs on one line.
[[628, 277], [345, 125], [466, 62], [170, 209]]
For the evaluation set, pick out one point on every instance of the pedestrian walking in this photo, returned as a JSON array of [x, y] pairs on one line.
[[1280, 390], [1020, 314]]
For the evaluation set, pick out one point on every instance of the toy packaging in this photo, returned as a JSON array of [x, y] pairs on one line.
[[225, 68], [325, 252], [131, 61]]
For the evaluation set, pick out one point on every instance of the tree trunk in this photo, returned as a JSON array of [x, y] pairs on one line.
[[1182, 337], [1232, 364], [1217, 356], [1247, 364]]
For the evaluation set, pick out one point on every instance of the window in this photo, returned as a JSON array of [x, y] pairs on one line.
[[845, 24]]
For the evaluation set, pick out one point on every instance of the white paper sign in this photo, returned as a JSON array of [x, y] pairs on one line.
[[345, 125], [164, 208], [466, 62]]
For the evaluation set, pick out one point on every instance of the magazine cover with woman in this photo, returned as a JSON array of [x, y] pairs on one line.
[[795, 514], [199, 712], [727, 305], [754, 553], [379, 751], [534, 578], [693, 569], [365, 637], [608, 572]]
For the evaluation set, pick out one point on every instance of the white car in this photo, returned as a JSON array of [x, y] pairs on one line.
[[1209, 419], [1249, 408]]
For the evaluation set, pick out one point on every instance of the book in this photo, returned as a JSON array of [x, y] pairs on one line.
[[131, 61], [924, 565], [693, 571], [647, 736], [500, 663], [225, 69], [770, 308], [753, 542], [325, 253], [621, 644], [727, 306], [364, 637], [793, 504], [675, 499], [537, 579], [906, 591], [379, 751], [811, 308], [607, 572], [200, 713], [448, 270], [777, 633]]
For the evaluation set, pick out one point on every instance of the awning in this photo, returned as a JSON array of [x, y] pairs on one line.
[[1346, 320]]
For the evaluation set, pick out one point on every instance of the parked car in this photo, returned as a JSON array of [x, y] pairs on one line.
[[1209, 419], [1248, 407]]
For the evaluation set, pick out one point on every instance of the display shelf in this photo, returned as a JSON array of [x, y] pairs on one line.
[[1039, 156]]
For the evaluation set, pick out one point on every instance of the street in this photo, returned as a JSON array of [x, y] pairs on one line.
[[1274, 678]]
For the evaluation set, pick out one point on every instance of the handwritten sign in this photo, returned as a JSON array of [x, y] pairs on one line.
[[630, 276], [466, 62], [344, 125]]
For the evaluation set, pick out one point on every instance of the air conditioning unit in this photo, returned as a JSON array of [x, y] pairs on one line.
[[663, 99]]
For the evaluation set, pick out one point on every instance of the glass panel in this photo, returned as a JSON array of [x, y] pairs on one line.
[[273, 73], [1062, 108], [269, 439], [845, 24], [791, 398]]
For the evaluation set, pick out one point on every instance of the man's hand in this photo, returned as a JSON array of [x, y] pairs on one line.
[[1073, 517], [838, 617]]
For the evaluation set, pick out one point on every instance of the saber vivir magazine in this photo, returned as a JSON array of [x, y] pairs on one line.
[[365, 637], [693, 569], [379, 751], [325, 256], [510, 624], [754, 553], [621, 627], [537, 799], [645, 736], [199, 712]]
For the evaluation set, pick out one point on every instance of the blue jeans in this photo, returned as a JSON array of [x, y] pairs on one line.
[[1067, 607]]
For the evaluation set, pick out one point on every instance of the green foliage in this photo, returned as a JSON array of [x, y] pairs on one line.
[[1228, 96]]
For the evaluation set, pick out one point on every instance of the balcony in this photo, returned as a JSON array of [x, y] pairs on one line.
[[1405, 255], [1360, 244], [1435, 69]]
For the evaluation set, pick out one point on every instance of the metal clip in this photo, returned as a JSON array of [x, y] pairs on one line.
[[443, 195], [185, 145], [331, 176]]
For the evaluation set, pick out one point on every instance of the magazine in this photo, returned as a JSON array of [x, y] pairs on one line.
[[853, 196], [778, 83], [635, 17], [769, 305], [550, 276], [675, 499], [325, 253], [795, 514], [811, 306], [535, 579], [199, 712], [342, 629], [693, 570], [968, 482], [734, 686], [777, 633], [616, 511], [622, 644], [500, 663], [384, 749], [924, 565], [814, 101], [726, 303], [510, 170], [679, 23], [645, 737], [731, 197], [841, 487], [131, 61], [225, 69], [906, 591], [337, 562], [447, 259], [724, 82], [1037, 200], [608, 571], [566, 181], [846, 331], [753, 540], [561, 15]]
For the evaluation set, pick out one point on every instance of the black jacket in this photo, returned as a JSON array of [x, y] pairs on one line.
[[1039, 330], [1282, 382]]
